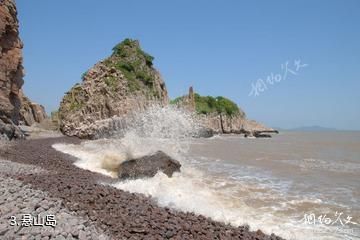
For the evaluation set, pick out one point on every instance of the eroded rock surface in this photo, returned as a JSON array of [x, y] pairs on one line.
[[221, 122], [117, 86], [11, 70], [148, 166], [31, 112], [15, 108]]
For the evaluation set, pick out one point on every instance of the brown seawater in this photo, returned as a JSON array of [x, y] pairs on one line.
[[292, 178]]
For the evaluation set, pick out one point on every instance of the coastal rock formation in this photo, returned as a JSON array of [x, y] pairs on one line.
[[221, 116], [31, 112], [148, 166], [225, 124], [11, 71], [115, 87]]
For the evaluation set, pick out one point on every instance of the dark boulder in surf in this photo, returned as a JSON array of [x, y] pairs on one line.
[[204, 133], [148, 166], [261, 135]]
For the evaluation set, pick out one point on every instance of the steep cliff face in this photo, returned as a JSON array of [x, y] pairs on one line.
[[11, 70], [117, 86]]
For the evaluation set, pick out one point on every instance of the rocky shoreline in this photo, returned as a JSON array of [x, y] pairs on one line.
[[103, 210]]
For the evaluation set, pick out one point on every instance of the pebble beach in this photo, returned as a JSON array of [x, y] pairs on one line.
[[37, 180]]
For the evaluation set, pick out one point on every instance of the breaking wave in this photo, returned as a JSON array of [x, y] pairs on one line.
[[158, 128]]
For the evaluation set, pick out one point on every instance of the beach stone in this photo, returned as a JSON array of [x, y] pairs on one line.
[[11, 189], [3, 229], [82, 235], [37, 237], [102, 237], [60, 237], [148, 166]]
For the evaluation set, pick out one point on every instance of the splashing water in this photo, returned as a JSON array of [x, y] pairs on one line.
[[158, 128]]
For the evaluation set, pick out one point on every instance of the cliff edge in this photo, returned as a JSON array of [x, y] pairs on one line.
[[11, 71], [15, 107]]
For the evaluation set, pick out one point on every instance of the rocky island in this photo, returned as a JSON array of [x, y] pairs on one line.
[[220, 115], [123, 83]]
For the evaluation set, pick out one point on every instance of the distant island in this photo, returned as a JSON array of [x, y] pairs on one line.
[[314, 128]]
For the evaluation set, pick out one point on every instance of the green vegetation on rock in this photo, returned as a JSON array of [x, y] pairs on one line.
[[83, 75], [111, 82], [209, 104], [74, 98], [134, 63]]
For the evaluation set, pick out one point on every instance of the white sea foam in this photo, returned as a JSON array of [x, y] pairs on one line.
[[221, 200]]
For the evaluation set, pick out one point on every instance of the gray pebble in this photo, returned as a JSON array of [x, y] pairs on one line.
[[17, 199], [82, 235]]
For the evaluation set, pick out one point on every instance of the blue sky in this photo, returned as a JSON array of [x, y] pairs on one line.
[[219, 47]]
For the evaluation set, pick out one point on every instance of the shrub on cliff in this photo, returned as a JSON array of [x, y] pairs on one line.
[[134, 63], [209, 104], [124, 49], [224, 105], [221, 105]]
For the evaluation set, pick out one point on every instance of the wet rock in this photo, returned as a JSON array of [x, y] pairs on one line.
[[205, 133], [261, 135], [148, 166]]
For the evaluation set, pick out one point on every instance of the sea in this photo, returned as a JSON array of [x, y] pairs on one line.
[[298, 185]]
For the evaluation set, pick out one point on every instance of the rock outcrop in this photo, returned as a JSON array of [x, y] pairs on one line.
[[225, 124], [221, 121], [31, 112], [11, 70], [115, 87], [148, 166]]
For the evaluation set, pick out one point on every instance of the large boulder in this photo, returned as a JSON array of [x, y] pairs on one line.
[[121, 84], [148, 166], [9, 131]]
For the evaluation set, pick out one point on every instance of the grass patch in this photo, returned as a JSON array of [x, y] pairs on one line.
[[209, 104], [111, 82], [135, 64]]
